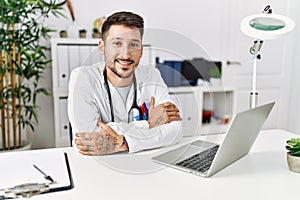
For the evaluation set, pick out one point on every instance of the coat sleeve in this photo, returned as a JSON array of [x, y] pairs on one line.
[[82, 110], [140, 138]]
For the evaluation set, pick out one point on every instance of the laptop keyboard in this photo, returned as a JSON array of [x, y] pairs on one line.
[[201, 161]]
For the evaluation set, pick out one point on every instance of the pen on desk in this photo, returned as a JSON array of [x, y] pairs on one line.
[[45, 175]]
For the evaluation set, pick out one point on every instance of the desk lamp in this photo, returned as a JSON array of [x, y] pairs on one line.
[[265, 26]]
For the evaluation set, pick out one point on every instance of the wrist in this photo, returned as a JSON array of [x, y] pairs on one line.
[[149, 122], [124, 144]]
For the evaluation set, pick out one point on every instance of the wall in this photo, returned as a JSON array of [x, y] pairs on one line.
[[159, 15], [293, 107], [193, 19], [166, 15]]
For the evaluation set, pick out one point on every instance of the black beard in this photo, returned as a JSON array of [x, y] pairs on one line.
[[118, 75], [115, 72]]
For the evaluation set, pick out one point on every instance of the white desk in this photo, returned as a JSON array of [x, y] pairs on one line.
[[262, 174]]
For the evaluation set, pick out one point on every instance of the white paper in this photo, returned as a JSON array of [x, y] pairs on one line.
[[17, 168]]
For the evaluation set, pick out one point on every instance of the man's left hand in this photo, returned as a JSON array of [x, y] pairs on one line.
[[162, 114]]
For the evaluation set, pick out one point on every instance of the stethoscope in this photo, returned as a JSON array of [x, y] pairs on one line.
[[134, 104]]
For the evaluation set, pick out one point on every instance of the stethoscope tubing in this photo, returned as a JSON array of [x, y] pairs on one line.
[[134, 103]]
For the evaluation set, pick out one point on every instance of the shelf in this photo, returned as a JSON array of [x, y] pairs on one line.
[[193, 100], [201, 88], [82, 41]]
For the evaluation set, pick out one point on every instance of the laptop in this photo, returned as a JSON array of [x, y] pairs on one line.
[[205, 158]]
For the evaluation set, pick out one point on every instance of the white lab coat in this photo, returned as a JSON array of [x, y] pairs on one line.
[[88, 101]]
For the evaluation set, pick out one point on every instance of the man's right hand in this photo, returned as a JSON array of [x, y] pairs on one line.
[[162, 114], [105, 142]]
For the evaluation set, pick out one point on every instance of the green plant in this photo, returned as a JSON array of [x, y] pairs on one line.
[[293, 146], [215, 72], [22, 64], [95, 30], [82, 31]]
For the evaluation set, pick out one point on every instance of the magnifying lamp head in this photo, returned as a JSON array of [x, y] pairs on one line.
[[266, 26]]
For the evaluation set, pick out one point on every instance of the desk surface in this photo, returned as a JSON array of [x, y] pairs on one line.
[[262, 174]]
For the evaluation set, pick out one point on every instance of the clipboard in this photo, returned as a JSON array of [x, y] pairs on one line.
[[17, 169], [71, 183]]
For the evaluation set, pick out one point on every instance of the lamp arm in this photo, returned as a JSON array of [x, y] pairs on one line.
[[253, 94], [254, 50]]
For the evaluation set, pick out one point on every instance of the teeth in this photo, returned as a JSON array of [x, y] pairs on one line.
[[124, 62]]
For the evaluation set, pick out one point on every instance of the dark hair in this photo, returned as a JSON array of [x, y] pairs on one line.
[[128, 19]]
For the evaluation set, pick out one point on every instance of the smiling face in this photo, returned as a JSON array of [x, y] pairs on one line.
[[122, 49]]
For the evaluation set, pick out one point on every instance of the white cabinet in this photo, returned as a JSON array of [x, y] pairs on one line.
[[63, 63], [186, 102], [204, 110], [68, 54], [63, 119]]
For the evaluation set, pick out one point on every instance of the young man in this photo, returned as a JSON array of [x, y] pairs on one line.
[[117, 105]]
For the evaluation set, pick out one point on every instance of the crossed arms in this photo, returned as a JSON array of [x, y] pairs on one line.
[[107, 141]]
